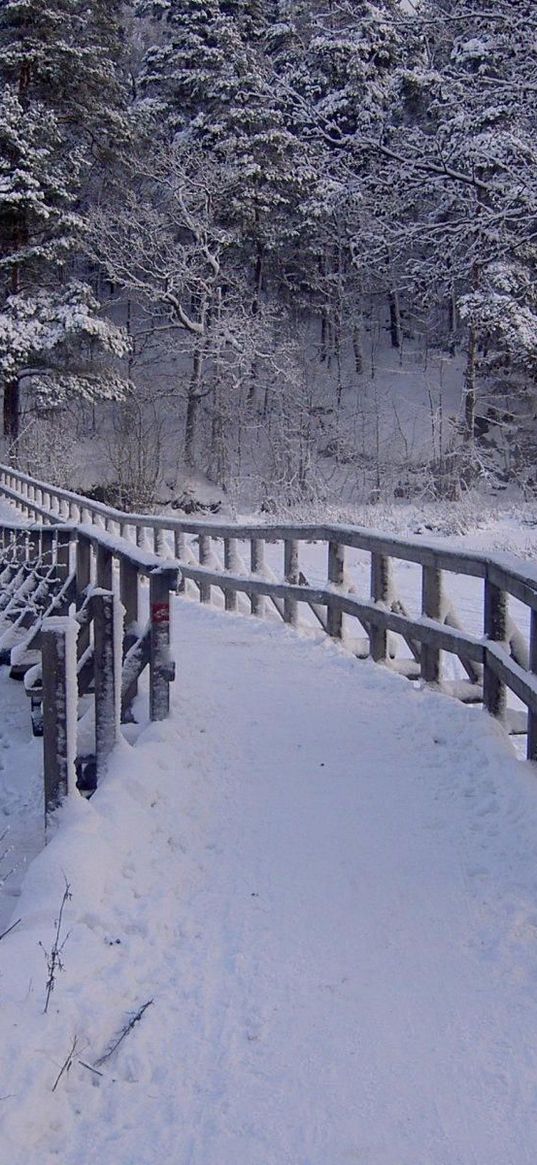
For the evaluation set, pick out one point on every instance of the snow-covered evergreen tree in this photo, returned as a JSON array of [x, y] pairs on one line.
[[462, 152], [60, 102]]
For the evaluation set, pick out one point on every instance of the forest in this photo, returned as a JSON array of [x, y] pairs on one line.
[[281, 250]]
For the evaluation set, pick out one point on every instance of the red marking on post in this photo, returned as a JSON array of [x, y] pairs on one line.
[[160, 613]]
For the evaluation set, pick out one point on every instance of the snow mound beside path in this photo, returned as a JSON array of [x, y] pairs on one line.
[[325, 881]]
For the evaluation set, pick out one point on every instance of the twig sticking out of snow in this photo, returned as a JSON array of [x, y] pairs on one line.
[[124, 1032], [66, 1064], [54, 960], [10, 928], [90, 1068]]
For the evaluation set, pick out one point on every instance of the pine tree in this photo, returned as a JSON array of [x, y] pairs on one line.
[[462, 152], [61, 104]]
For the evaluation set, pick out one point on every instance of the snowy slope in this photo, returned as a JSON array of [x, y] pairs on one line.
[[325, 880]]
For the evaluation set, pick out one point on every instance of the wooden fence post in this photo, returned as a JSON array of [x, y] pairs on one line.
[[161, 669], [292, 574], [257, 563], [204, 544], [231, 563], [431, 606], [336, 574], [380, 593], [58, 647], [107, 671], [494, 693]]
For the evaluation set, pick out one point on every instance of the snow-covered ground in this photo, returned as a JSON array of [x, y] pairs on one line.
[[325, 882], [21, 792]]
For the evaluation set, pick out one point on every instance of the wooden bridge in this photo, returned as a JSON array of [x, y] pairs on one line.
[[104, 559]]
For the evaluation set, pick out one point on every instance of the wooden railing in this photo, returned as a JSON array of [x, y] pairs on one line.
[[503, 658], [86, 636]]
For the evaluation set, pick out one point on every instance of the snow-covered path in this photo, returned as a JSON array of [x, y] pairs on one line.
[[326, 883]]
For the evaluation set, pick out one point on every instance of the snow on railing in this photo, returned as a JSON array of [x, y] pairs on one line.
[[421, 644]]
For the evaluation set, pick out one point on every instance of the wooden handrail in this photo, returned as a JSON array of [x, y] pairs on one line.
[[502, 658]]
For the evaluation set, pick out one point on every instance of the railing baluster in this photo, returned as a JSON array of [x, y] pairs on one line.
[[161, 542]]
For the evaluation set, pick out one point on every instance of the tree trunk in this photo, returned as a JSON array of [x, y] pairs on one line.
[[11, 410], [470, 385], [395, 320], [192, 405], [358, 348], [256, 303]]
